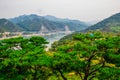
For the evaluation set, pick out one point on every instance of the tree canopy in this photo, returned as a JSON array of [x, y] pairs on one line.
[[86, 56]]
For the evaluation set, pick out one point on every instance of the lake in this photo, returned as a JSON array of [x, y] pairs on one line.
[[53, 38]]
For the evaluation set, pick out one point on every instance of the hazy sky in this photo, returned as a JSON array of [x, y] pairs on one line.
[[84, 10]]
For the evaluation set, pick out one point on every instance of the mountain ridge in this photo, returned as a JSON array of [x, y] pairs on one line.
[[107, 24], [28, 22]]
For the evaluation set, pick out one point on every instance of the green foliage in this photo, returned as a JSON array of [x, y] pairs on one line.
[[22, 58], [86, 56], [93, 52], [109, 73], [115, 29]]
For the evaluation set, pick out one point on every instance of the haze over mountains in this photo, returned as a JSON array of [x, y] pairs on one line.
[[110, 24], [34, 22]]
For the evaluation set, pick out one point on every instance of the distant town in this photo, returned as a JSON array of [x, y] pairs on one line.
[[42, 32]]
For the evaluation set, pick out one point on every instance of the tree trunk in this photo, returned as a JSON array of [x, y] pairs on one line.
[[86, 75], [85, 78], [87, 69], [35, 74]]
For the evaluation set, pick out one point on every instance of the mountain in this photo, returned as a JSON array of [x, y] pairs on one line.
[[53, 18], [72, 23], [6, 25], [34, 22], [110, 24]]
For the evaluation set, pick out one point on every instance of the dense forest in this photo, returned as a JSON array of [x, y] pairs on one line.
[[110, 24], [85, 56]]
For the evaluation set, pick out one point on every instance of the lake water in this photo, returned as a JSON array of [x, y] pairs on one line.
[[53, 38]]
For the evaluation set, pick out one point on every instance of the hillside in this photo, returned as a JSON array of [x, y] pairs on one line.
[[6, 25], [111, 24], [34, 22]]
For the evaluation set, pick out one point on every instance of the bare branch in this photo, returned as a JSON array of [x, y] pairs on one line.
[[80, 75], [92, 55], [92, 77]]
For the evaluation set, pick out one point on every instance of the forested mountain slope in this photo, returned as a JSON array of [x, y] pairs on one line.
[[34, 22], [6, 25], [110, 24]]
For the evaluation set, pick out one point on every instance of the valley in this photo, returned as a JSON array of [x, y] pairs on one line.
[[36, 47]]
